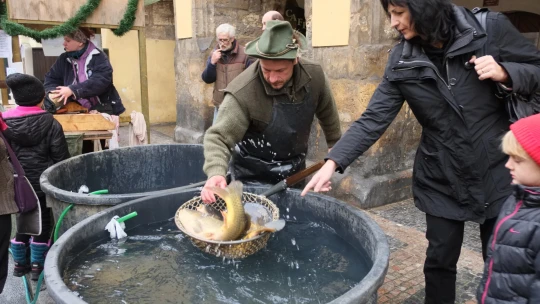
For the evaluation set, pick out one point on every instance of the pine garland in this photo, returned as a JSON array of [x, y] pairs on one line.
[[71, 25]]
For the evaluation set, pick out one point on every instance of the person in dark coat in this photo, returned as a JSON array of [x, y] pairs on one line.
[[7, 206], [459, 172], [512, 268], [38, 142], [83, 73]]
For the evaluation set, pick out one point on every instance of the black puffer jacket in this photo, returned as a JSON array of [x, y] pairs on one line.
[[512, 270], [459, 168], [39, 142]]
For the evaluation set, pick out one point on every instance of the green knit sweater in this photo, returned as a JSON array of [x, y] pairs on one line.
[[248, 104]]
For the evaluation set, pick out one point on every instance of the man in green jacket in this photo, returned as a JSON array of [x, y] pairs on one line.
[[265, 118]]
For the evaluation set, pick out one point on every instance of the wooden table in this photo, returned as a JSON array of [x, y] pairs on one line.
[[93, 135]]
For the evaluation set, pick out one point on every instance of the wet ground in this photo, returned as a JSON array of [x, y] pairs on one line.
[[403, 224]]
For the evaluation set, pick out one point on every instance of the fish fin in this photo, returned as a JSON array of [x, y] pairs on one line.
[[208, 235], [254, 233], [248, 222], [201, 208], [276, 225], [224, 215], [233, 191]]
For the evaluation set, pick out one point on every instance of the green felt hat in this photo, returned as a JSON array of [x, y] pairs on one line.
[[276, 42]]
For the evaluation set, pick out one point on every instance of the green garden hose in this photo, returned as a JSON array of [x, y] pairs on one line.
[[61, 217], [28, 291]]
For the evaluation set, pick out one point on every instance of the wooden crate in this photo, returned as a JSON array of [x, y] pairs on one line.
[[108, 14]]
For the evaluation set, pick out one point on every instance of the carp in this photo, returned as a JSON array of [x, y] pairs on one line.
[[232, 224]]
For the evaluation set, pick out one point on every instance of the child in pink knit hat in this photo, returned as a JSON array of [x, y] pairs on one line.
[[512, 269]]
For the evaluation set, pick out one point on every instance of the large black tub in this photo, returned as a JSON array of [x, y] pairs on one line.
[[348, 222], [127, 173]]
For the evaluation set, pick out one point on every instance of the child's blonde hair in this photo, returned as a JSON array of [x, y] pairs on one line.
[[512, 147]]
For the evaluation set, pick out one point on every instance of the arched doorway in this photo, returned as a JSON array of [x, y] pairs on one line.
[[527, 23]]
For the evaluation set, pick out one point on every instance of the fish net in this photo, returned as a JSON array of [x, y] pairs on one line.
[[230, 249]]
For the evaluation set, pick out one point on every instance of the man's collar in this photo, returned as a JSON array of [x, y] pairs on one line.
[[234, 49]]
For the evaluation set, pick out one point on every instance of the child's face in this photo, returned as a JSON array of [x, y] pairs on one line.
[[524, 171]]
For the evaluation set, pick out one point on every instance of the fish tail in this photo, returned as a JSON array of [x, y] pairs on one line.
[[233, 191]]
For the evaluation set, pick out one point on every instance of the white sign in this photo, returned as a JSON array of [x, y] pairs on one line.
[[5, 45], [10, 71], [54, 47]]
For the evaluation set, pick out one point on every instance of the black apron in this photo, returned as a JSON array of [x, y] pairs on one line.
[[280, 150]]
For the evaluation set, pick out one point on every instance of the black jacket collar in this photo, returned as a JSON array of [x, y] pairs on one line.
[[529, 195]]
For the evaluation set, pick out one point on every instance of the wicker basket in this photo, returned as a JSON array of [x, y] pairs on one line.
[[230, 249]]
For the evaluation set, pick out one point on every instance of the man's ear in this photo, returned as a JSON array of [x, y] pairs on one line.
[[295, 60]]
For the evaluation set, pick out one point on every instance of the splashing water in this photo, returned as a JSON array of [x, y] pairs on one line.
[[161, 266]]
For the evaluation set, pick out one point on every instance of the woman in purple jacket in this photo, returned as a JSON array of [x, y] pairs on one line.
[[83, 73]]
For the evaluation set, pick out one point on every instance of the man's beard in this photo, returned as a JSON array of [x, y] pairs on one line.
[[227, 48]]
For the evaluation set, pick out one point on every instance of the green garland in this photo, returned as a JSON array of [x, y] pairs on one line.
[[14, 29]]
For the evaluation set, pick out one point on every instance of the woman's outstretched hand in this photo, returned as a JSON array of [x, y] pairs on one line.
[[321, 180]]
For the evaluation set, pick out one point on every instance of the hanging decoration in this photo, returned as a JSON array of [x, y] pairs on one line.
[[15, 29]]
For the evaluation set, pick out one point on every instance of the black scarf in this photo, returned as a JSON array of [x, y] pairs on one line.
[[77, 54]]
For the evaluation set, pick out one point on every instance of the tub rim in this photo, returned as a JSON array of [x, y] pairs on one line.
[[70, 197]]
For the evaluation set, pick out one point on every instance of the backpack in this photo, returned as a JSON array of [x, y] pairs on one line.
[[517, 105]]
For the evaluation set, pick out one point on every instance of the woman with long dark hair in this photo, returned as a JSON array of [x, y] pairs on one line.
[[459, 172]]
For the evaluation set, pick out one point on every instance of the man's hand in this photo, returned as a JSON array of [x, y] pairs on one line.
[[207, 195], [321, 180], [488, 68], [216, 56], [62, 93]]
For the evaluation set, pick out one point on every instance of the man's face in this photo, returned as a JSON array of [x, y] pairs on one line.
[[277, 72], [224, 41]]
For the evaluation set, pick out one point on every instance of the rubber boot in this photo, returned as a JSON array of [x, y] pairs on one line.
[[21, 254], [38, 251]]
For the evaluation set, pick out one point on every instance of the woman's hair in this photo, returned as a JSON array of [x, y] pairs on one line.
[[82, 34], [511, 146], [432, 20]]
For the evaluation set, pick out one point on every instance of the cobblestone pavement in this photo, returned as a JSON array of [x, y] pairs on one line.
[[159, 134], [404, 226]]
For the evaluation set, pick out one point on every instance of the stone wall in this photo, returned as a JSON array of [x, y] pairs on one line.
[[383, 174], [194, 97], [159, 20]]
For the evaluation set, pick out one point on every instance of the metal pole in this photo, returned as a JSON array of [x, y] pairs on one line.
[[5, 95], [145, 107]]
